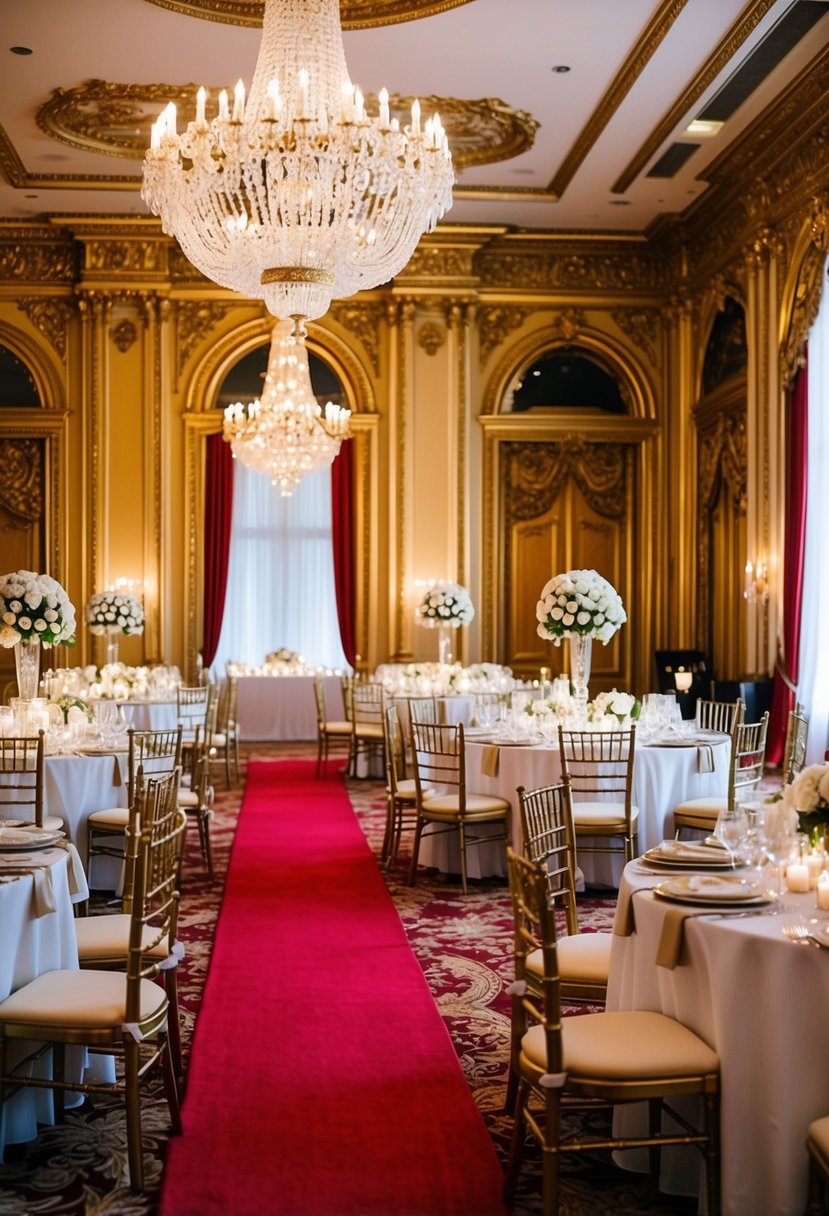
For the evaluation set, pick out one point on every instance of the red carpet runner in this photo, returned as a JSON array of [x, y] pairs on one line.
[[322, 1081]]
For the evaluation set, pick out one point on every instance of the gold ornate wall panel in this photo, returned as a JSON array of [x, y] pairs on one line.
[[804, 286]]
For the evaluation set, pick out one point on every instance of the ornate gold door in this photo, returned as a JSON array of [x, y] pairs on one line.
[[564, 507]]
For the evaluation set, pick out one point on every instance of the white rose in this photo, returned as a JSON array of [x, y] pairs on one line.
[[25, 622], [583, 617], [557, 614], [16, 606], [9, 618], [567, 619], [8, 637], [823, 785], [40, 625]]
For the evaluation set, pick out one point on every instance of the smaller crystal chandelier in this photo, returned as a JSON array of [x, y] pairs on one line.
[[286, 433]]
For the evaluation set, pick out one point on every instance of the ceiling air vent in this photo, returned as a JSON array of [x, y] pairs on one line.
[[672, 160]]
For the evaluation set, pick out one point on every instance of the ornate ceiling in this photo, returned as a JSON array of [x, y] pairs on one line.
[[568, 116]]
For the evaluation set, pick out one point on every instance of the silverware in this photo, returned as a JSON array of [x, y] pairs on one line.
[[800, 935]]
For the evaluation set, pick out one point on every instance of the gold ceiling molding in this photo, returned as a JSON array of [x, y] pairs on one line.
[[559, 270], [115, 119], [354, 14], [746, 23], [363, 320], [26, 257], [640, 56]]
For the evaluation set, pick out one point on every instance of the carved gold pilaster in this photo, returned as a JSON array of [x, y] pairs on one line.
[[95, 309], [402, 339]]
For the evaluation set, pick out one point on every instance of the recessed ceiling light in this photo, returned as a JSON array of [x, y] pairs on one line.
[[20, 50], [561, 67], [703, 127], [522, 172], [31, 196], [619, 202]]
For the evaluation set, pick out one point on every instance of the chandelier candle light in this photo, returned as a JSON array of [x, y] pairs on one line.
[[579, 605], [295, 195], [286, 433]]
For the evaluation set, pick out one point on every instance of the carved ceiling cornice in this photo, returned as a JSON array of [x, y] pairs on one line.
[[354, 14], [115, 119], [571, 263], [36, 254]]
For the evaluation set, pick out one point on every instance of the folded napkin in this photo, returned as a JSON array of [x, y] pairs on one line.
[[43, 891], [705, 758], [670, 942], [490, 761], [718, 888], [74, 870]]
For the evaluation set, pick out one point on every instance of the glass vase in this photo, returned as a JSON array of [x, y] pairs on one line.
[[27, 667], [444, 644], [112, 647], [581, 646]]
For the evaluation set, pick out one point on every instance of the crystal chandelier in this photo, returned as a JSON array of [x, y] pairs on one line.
[[298, 196], [286, 433]]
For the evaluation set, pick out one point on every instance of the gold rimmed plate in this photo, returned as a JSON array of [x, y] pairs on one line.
[[719, 889], [23, 840], [689, 859]]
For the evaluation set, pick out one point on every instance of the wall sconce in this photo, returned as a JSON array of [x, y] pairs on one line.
[[756, 589], [683, 680]]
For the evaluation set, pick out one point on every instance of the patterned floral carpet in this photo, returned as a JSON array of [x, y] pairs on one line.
[[463, 944]]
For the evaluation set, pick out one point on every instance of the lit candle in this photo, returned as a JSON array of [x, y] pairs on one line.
[[815, 862], [224, 113], [171, 118], [384, 108], [274, 100], [359, 104], [303, 92], [201, 98], [797, 877], [346, 101], [683, 681], [239, 102], [155, 134], [822, 897], [415, 117]]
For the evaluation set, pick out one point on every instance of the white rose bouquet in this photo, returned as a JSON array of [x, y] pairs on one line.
[[808, 795], [114, 612], [613, 708], [580, 601], [445, 604], [34, 606]]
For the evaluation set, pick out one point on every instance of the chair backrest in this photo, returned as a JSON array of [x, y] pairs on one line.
[[348, 697], [369, 704], [748, 756], [155, 795], [154, 914], [192, 704], [719, 715], [547, 832], [151, 753], [21, 778], [534, 928], [794, 752], [423, 709], [439, 763], [598, 762], [319, 700], [395, 751]]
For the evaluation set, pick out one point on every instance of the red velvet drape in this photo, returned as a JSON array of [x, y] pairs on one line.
[[218, 512], [795, 537], [342, 536]]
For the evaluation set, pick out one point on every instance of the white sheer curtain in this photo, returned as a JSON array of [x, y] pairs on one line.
[[280, 586], [813, 686]]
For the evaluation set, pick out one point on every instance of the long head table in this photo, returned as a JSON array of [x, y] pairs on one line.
[[283, 707]]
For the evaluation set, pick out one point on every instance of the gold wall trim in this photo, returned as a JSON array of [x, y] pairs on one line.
[[803, 290], [746, 23], [48, 381], [354, 14], [643, 50]]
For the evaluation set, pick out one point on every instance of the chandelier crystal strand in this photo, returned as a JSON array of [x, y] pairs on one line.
[[286, 433], [295, 195]]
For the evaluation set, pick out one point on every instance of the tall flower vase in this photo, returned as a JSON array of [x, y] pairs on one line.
[[581, 646], [112, 646], [444, 644], [27, 667]]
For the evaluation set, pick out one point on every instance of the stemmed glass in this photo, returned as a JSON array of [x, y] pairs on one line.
[[778, 832], [731, 830]]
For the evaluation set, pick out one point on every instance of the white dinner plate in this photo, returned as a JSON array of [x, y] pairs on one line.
[[696, 857], [714, 889], [17, 840]]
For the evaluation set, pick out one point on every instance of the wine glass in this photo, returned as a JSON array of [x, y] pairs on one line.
[[778, 832], [731, 830]]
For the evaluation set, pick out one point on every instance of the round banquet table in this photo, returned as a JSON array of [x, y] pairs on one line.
[[663, 776], [29, 945], [283, 707], [150, 715], [74, 787], [760, 1001]]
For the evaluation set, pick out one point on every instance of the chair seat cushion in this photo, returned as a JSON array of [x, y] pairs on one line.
[[188, 799], [581, 956], [407, 789], [819, 1140], [338, 728], [630, 1044], [95, 999], [368, 730], [601, 814], [116, 817], [218, 739], [705, 810], [107, 937], [481, 805]]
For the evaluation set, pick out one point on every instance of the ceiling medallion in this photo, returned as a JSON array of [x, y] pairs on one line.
[[116, 119], [354, 14]]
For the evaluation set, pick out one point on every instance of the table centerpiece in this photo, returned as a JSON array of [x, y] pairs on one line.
[[445, 606], [808, 795], [579, 605], [35, 611], [110, 613]]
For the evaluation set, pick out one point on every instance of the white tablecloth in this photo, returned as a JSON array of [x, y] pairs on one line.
[[150, 715], [74, 787], [30, 945], [662, 777], [283, 707], [760, 1001]]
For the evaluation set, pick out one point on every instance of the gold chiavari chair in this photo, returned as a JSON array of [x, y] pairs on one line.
[[794, 751], [21, 781], [108, 1011], [748, 754], [224, 740], [193, 705], [719, 715], [597, 766], [103, 941], [330, 731], [443, 804], [368, 703], [423, 709], [595, 1059], [196, 800], [401, 791]]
